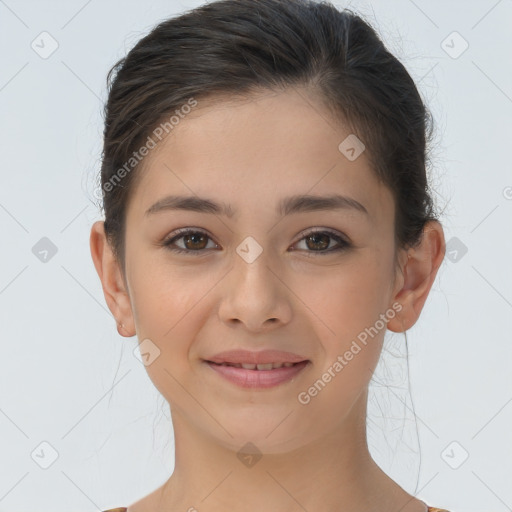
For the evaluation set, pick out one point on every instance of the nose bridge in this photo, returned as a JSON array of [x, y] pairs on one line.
[[251, 266], [254, 295]]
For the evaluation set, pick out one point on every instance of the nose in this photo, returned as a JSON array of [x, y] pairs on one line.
[[254, 294]]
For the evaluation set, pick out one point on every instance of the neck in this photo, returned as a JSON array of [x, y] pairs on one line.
[[332, 473]]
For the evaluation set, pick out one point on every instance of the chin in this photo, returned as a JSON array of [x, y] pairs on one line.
[[266, 437]]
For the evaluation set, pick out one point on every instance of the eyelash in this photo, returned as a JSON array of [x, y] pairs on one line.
[[344, 244]]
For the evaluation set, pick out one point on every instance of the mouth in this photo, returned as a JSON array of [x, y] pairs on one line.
[[264, 366], [266, 375]]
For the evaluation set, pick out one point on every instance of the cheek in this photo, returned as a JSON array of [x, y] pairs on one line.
[[348, 299], [164, 297], [350, 305], [351, 331], [170, 308]]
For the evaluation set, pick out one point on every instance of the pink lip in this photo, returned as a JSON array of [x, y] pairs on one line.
[[258, 378], [261, 357]]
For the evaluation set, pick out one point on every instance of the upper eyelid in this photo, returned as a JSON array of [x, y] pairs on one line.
[[186, 231], [313, 230]]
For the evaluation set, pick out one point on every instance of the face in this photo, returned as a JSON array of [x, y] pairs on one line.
[[268, 273]]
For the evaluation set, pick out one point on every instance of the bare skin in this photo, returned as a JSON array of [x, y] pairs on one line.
[[250, 155]]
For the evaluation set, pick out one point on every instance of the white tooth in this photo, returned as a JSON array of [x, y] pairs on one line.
[[277, 365], [266, 366], [287, 365], [249, 366]]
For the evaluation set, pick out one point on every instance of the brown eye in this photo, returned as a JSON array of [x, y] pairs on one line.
[[320, 242], [317, 241], [192, 241], [195, 241]]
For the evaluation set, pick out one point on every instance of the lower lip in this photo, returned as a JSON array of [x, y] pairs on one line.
[[258, 378]]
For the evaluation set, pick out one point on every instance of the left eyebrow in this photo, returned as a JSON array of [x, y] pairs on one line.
[[310, 203], [287, 206]]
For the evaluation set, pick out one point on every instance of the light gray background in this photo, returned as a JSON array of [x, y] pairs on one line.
[[68, 379]]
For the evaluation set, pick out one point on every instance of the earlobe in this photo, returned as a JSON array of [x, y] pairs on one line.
[[419, 273], [111, 278]]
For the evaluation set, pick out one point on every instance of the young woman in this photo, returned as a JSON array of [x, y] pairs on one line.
[[267, 219]]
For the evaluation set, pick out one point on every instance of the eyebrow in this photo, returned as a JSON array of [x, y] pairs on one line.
[[287, 206]]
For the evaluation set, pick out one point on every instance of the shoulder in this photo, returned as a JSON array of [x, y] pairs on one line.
[[123, 509]]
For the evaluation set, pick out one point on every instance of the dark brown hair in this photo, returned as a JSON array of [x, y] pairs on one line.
[[238, 47]]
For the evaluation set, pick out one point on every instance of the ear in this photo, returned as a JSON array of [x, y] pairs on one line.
[[112, 280], [418, 274]]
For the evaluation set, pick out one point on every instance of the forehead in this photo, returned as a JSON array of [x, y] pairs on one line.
[[250, 152]]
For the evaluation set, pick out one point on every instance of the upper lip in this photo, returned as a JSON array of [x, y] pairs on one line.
[[261, 357]]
